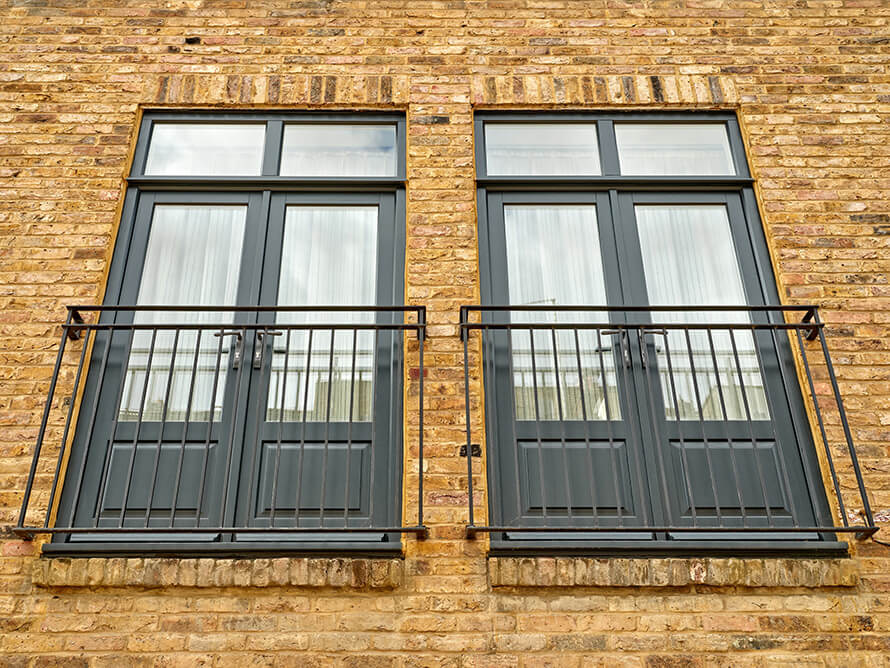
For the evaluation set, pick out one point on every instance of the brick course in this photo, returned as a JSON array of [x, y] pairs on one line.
[[810, 81]]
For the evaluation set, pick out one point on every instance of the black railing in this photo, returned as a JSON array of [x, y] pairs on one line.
[[672, 423], [218, 421]]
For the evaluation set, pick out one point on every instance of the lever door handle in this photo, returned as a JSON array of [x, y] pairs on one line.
[[239, 344], [623, 344], [258, 353]]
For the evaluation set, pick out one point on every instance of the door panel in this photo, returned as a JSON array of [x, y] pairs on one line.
[[720, 419], [564, 454], [150, 444], [314, 456]]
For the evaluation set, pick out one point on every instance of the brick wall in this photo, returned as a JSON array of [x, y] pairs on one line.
[[810, 82]]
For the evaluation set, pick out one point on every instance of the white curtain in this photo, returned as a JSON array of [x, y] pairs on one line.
[[338, 150], [553, 258], [689, 258], [329, 257], [193, 258], [657, 149]]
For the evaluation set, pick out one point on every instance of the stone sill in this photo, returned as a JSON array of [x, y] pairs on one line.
[[671, 572], [153, 573]]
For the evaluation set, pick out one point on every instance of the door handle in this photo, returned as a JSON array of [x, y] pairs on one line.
[[622, 343], [261, 345], [644, 348], [239, 344]]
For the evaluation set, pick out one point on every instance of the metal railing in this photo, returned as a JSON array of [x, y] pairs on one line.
[[676, 422], [219, 420]]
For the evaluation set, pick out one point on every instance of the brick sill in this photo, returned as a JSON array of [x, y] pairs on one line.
[[154, 573], [671, 572]]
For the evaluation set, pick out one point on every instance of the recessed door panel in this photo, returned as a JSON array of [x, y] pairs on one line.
[[564, 455]]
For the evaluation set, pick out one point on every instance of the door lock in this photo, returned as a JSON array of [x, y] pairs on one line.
[[261, 345], [239, 344]]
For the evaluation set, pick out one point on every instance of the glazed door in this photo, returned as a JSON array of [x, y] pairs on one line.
[[566, 447], [714, 401], [153, 441], [319, 447]]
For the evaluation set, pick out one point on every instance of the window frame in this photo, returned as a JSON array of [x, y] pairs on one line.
[[262, 191], [617, 187]]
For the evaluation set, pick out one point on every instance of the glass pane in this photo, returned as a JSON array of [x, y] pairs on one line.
[[193, 258], [541, 149], [206, 149], [339, 150], [329, 257], [684, 149], [553, 257], [689, 259]]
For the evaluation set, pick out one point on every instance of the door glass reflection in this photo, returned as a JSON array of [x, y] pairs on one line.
[[193, 258]]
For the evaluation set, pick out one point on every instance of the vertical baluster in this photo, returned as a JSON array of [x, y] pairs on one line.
[[301, 454], [349, 428], [132, 461], [749, 420], [78, 487], [701, 423], [465, 335], [114, 422], [531, 337], [210, 415], [562, 426], [157, 460], [282, 387], [188, 414], [587, 443], [729, 439], [677, 416], [327, 426]]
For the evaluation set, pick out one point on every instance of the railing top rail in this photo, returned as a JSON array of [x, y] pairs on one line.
[[637, 308], [75, 322], [325, 308], [809, 321]]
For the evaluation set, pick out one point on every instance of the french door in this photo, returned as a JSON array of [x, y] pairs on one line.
[[635, 416], [257, 416]]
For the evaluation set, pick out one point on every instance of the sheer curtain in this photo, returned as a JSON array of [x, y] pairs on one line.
[[689, 258], [329, 257], [193, 258], [553, 257]]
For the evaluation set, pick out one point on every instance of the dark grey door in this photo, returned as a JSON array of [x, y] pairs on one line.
[[714, 401], [659, 426], [160, 415], [220, 421], [319, 447]]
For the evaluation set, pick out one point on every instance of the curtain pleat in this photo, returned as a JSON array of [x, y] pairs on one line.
[[553, 258], [689, 259], [193, 258], [329, 257]]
